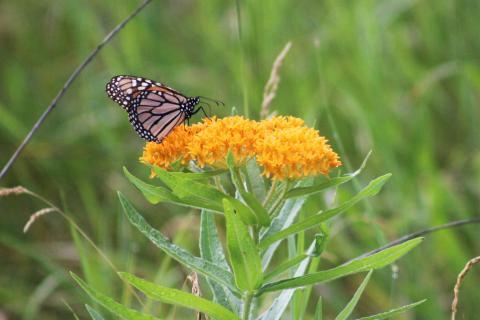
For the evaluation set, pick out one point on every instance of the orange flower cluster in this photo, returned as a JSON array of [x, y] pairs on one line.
[[283, 146]]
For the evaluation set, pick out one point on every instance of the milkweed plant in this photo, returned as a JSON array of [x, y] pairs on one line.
[[252, 179]]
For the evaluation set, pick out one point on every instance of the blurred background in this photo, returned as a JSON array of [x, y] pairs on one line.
[[399, 77]]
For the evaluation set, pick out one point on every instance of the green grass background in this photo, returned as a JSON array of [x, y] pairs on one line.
[[400, 77]]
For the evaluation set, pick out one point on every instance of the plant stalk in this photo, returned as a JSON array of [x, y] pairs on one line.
[[247, 303]]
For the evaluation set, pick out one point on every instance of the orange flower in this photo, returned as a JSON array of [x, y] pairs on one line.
[[296, 152], [280, 122], [210, 145], [172, 148], [283, 146]]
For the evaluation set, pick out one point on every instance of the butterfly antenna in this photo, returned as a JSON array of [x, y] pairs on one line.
[[217, 102]]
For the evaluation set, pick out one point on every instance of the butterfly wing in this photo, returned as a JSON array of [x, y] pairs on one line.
[[154, 114], [154, 109], [124, 89]]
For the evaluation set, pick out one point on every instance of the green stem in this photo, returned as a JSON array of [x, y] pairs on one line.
[[239, 181], [218, 184], [242, 59], [247, 303], [280, 198], [255, 234], [270, 193]]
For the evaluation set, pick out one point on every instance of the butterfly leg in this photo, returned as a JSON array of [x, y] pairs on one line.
[[203, 110]]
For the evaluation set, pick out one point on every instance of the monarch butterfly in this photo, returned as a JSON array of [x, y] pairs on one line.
[[154, 109]]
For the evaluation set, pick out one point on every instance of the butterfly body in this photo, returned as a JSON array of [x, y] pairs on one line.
[[154, 109]]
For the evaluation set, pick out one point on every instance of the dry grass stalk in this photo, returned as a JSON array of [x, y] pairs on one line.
[[272, 85], [12, 191], [193, 278], [35, 216], [460, 279]]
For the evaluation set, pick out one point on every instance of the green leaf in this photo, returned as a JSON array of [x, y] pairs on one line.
[[280, 304], [285, 266], [390, 313], [94, 313], [243, 254], [156, 194], [373, 262], [334, 182], [370, 190], [184, 187], [110, 304], [204, 193], [287, 215], [257, 182], [206, 268], [319, 309], [257, 208], [211, 250], [250, 200], [179, 298], [244, 212], [347, 311]]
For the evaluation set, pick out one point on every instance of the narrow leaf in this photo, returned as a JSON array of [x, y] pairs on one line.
[[211, 250], [334, 182], [156, 194], [259, 211], [393, 312], [206, 268], [244, 212], [370, 190], [257, 182], [243, 254], [287, 215], [183, 187], [280, 304], [110, 304], [179, 298], [285, 266], [204, 193], [373, 262], [319, 310], [94, 313], [347, 311]]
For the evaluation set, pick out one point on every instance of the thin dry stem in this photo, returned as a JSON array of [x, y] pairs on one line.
[[193, 278], [67, 84], [70, 220], [271, 87], [15, 191], [460, 279], [34, 217]]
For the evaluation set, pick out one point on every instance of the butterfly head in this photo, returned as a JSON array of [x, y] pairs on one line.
[[189, 106]]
